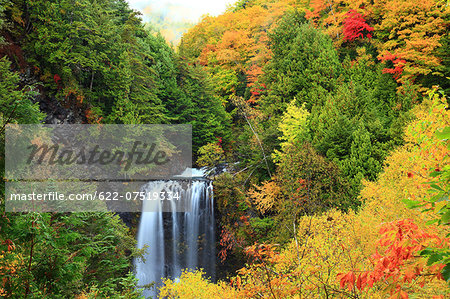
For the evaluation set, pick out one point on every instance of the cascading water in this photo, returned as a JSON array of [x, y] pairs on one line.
[[176, 240]]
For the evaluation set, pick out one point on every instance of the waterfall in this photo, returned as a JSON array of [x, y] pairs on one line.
[[176, 240]]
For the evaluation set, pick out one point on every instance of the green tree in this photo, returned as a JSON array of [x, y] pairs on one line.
[[61, 255], [310, 184], [304, 66], [16, 107], [293, 127]]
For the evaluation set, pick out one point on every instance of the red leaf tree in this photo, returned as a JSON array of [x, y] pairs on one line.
[[397, 62], [397, 259], [355, 26]]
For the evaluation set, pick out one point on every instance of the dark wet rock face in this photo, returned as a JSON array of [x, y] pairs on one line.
[[57, 110], [56, 114]]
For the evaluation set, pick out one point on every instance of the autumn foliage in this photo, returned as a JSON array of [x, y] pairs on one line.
[[409, 30], [328, 117], [355, 26], [377, 252], [331, 208], [397, 259], [398, 65]]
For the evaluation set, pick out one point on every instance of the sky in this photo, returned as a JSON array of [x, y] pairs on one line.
[[173, 17]]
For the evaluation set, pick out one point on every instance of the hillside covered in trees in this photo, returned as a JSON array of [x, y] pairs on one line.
[[330, 116]]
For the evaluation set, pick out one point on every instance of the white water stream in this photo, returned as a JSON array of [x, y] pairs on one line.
[[176, 240]]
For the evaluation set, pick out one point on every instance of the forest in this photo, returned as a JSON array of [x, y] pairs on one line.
[[330, 117]]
